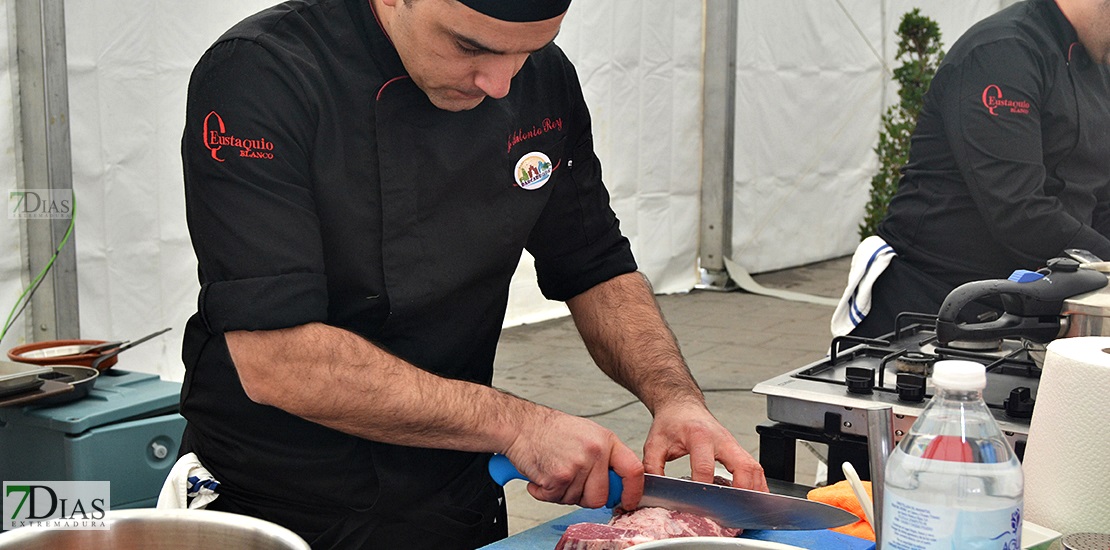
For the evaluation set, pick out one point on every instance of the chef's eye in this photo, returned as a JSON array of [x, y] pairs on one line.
[[468, 50]]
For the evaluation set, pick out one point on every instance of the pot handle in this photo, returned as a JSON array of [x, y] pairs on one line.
[[1031, 301]]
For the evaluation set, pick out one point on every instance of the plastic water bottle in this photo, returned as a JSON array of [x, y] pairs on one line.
[[953, 481]]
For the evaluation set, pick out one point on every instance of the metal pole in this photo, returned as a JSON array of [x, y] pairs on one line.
[[880, 441], [44, 119], [883, 73], [718, 119]]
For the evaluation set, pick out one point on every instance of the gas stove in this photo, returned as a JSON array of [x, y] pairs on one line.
[[826, 401]]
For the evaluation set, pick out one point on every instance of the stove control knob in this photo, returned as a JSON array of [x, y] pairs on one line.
[[1020, 403], [911, 387], [859, 379]]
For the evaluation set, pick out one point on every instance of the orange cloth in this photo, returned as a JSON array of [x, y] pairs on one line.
[[840, 495]]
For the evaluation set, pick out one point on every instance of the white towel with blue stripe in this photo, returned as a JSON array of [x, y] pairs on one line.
[[872, 257], [188, 485]]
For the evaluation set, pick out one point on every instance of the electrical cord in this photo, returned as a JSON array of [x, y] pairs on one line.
[[634, 401], [25, 298]]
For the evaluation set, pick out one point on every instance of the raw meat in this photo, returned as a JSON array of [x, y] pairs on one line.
[[628, 529], [660, 523], [598, 536], [638, 526]]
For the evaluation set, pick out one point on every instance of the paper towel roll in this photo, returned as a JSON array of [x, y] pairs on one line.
[[1067, 458]]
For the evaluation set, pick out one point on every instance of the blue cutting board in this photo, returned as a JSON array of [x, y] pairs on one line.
[[545, 536]]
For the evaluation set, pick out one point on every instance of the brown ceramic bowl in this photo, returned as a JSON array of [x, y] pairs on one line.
[[39, 353]]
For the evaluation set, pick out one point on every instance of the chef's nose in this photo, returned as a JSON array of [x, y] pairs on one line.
[[494, 76]]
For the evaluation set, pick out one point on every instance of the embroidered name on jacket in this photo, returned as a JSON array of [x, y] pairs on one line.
[[522, 135], [216, 138], [993, 101]]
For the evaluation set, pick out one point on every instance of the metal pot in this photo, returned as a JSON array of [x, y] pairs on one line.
[[153, 529], [1087, 314]]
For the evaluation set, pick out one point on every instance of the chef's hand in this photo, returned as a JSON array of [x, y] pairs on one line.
[[567, 460], [688, 428]]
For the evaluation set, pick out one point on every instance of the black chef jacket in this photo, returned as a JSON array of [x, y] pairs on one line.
[[323, 186], [1010, 161]]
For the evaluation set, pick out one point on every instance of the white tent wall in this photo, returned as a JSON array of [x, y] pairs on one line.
[[129, 64], [810, 90], [640, 66], [808, 105]]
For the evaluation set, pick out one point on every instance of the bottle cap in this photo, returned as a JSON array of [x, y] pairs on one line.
[[959, 375]]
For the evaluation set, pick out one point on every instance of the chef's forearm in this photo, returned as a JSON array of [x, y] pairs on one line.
[[625, 333], [335, 378]]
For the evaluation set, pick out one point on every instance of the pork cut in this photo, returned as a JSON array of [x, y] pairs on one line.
[[628, 529], [639, 526], [599, 536]]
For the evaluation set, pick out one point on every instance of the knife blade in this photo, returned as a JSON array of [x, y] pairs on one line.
[[741, 508], [728, 506]]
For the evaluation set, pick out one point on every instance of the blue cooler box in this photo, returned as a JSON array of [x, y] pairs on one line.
[[126, 431]]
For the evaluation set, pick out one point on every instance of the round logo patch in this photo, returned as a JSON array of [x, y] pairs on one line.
[[532, 170]]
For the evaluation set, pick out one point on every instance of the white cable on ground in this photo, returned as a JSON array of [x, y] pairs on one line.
[[744, 280]]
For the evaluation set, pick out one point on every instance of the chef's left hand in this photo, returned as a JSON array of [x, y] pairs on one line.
[[688, 428]]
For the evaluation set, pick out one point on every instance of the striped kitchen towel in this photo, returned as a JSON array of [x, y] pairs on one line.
[[872, 257], [188, 485]]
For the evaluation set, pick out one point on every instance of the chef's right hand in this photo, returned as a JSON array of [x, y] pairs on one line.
[[567, 460]]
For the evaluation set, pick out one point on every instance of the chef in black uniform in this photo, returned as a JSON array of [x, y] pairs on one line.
[[361, 179], [1010, 160]]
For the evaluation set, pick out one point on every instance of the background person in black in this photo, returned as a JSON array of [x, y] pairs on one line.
[[1010, 161], [352, 174]]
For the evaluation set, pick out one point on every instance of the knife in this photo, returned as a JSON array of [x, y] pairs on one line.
[[728, 506]]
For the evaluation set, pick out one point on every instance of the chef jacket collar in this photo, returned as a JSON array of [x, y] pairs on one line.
[[1062, 29], [384, 53]]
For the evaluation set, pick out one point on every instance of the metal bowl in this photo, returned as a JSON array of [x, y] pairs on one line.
[[712, 543], [153, 529], [81, 378]]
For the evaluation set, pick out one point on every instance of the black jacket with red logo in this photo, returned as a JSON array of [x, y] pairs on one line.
[[1010, 161], [323, 186]]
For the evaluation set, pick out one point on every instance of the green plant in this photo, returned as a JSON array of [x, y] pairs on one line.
[[920, 50]]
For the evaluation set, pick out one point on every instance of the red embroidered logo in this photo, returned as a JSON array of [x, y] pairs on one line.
[[992, 99], [215, 138], [521, 135]]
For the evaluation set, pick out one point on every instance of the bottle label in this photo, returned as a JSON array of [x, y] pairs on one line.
[[911, 525]]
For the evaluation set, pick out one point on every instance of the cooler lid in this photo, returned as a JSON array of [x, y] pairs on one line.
[[117, 396]]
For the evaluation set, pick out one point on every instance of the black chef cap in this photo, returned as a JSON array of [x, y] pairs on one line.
[[519, 11]]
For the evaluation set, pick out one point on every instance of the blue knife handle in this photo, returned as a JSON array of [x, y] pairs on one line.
[[502, 471]]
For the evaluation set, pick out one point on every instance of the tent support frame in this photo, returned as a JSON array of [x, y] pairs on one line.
[[718, 119], [47, 164]]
